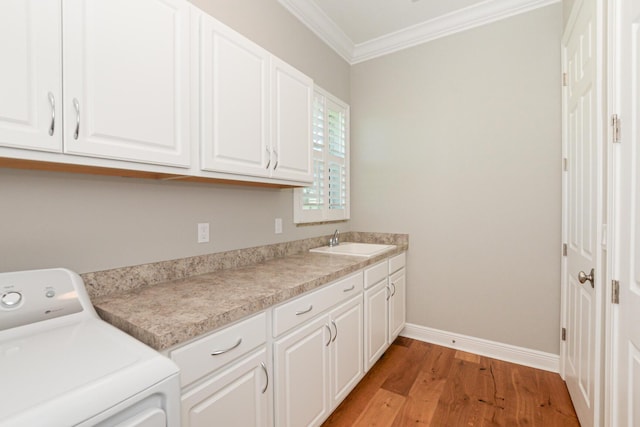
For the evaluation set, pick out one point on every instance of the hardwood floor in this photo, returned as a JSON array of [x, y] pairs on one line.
[[421, 384]]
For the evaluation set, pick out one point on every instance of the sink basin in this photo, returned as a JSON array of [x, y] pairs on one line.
[[366, 250]]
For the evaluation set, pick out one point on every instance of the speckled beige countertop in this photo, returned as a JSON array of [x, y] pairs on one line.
[[173, 312]]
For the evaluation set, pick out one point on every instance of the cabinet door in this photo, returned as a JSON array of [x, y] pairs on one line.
[[301, 365], [237, 397], [126, 80], [376, 319], [397, 304], [234, 92], [346, 349], [292, 93], [31, 74]]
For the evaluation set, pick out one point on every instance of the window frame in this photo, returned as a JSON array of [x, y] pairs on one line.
[[325, 214]]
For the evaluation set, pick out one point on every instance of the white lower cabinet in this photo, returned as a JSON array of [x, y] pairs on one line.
[[323, 343], [347, 367], [301, 364], [237, 397], [384, 306], [226, 377], [397, 304], [376, 319], [317, 365]]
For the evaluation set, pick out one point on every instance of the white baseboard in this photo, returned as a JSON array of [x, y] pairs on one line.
[[509, 353]]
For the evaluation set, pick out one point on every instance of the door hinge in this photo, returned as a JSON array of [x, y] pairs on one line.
[[564, 334], [615, 292], [615, 125], [565, 79], [564, 249], [565, 164]]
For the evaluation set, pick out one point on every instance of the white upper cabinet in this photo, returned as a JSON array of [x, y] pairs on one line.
[[126, 80], [234, 93], [31, 74], [292, 94], [254, 109]]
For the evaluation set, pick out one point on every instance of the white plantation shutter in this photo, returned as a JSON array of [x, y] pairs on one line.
[[327, 198], [313, 196], [336, 158]]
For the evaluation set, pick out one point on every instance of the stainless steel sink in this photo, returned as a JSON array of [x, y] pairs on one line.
[[366, 250]]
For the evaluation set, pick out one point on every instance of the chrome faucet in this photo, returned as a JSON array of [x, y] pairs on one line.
[[334, 241]]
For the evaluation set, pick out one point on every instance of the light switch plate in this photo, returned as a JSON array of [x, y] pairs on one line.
[[278, 225]]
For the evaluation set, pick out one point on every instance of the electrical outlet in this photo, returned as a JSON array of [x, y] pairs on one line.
[[203, 232], [278, 225]]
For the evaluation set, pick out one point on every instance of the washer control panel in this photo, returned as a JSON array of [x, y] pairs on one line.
[[33, 296]]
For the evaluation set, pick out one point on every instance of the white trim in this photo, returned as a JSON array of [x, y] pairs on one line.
[[324, 27], [507, 352], [479, 14]]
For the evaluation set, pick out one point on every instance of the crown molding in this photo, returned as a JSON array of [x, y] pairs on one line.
[[482, 13], [464, 19], [324, 27]]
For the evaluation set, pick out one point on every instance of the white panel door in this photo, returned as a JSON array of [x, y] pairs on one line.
[[126, 80], [292, 94], [237, 396], [582, 198], [376, 320], [31, 74], [301, 368], [234, 91], [397, 304], [626, 327], [347, 358]]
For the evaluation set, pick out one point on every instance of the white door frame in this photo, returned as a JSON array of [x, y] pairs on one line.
[[613, 164]]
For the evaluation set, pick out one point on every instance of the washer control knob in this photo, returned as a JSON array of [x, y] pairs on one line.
[[11, 299]]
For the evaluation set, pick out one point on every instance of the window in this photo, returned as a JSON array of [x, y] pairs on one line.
[[327, 199]]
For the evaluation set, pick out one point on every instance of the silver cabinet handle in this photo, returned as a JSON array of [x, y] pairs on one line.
[[277, 158], [52, 101], [336, 328], [328, 342], [349, 289], [388, 293], [298, 313], [219, 352], [266, 374], [394, 288], [269, 155], [76, 105]]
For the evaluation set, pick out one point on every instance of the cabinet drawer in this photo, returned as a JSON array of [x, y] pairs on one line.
[[308, 306], [216, 350], [397, 262], [376, 273]]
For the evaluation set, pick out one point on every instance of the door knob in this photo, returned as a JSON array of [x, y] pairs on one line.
[[582, 277]]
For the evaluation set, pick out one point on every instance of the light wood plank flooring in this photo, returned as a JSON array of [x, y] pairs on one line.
[[421, 384]]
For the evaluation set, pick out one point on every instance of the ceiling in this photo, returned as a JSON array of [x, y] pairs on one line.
[[359, 30]]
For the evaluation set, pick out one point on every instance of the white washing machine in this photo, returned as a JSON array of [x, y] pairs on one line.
[[61, 365]]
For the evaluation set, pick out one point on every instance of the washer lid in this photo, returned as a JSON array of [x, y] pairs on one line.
[[41, 367]]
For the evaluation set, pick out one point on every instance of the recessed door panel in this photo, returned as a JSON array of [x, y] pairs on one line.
[[126, 67], [31, 74]]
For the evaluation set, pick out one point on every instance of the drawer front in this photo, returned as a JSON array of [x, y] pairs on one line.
[[376, 273], [306, 307], [209, 353], [397, 262]]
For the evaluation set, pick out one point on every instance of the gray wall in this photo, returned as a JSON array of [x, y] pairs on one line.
[[458, 143], [90, 223]]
